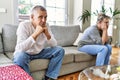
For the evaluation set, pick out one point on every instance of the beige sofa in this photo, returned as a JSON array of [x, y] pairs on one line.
[[66, 35]]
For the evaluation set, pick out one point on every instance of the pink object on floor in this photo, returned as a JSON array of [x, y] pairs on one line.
[[13, 72]]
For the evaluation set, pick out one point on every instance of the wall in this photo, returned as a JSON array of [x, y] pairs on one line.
[[79, 7], [70, 9], [116, 31], [86, 6], [8, 17], [77, 11]]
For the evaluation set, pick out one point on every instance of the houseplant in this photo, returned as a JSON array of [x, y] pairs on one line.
[[87, 14]]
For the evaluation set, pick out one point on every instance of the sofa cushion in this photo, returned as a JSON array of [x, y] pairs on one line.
[[9, 55], [37, 64], [78, 55], [6, 64], [9, 36], [82, 56], [4, 59], [78, 39], [65, 35], [69, 55], [40, 64]]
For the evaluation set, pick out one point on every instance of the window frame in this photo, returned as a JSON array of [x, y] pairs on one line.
[[26, 16]]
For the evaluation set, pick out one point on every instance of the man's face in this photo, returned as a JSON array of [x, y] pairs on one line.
[[39, 18]]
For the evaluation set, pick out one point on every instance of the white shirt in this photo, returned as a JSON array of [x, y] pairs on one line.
[[27, 44]]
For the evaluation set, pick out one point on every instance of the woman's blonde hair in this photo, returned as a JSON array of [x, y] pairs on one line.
[[102, 16]]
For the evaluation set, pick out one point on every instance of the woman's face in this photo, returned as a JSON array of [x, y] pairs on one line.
[[104, 23]]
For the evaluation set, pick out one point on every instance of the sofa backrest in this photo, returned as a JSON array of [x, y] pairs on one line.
[[9, 36], [65, 35]]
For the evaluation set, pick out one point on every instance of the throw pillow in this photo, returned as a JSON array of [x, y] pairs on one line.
[[78, 39]]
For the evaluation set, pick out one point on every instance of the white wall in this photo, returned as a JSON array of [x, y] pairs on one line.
[[116, 31], [9, 17], [77, 11], [70, 11], [79, 7]]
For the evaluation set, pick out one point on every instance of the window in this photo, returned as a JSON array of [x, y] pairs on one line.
[[56, 10], [110, 4], [95, 6]]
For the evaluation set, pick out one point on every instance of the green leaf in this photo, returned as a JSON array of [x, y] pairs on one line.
[[111, 10], [96, 13], [85, 16], [103, 10], [116, 12]]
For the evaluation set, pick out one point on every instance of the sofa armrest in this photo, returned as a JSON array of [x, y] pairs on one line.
[[2, 42]]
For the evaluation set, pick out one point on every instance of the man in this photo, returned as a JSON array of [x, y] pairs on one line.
[[95, 41], [31, 37]]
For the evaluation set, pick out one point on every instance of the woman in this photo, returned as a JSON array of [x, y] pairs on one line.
[[95, 41]]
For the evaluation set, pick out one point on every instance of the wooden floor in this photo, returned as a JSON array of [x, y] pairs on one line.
[[114, 60]]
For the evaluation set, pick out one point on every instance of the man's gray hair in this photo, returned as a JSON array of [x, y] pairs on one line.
[[38, 7]]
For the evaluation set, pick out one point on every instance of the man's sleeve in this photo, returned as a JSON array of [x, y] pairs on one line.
[[24, 40]]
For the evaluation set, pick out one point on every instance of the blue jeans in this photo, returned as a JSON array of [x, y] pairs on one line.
[[103, 53], [55, 54]]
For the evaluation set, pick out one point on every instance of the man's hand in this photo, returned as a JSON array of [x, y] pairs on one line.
[[37, 32], [46, 32], [39, 29]]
